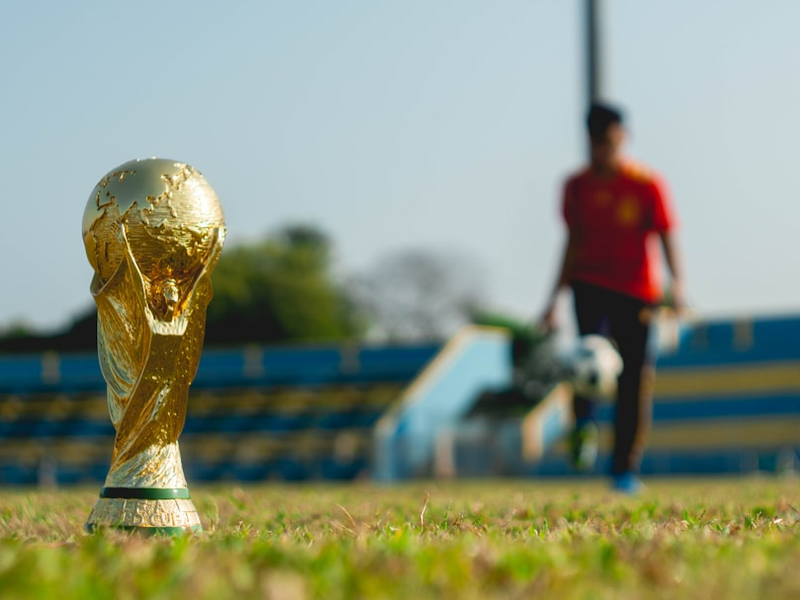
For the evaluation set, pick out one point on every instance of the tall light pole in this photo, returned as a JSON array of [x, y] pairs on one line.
[[594, 80]]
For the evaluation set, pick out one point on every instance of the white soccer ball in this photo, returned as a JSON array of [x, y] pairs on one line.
[[593, 366]]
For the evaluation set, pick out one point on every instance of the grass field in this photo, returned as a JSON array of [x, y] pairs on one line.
[[493, 539]]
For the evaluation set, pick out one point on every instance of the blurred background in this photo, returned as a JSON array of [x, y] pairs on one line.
[[391, 127], [390, 171]]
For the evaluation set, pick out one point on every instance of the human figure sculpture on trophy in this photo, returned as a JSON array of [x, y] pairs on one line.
[[153, 231]]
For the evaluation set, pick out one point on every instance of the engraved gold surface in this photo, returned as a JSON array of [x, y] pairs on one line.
[[118, 512], [153, 230]]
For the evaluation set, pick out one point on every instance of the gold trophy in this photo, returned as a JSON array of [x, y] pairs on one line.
[[153, 230]]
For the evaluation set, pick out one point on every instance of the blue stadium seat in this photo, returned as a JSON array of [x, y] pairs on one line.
[[336, 470], [204, 471], [251, 471], [20, 374], [393, 363], [219, 369], [15, 474], [278, 422], [352, 419], [80, 373], [292, 469]]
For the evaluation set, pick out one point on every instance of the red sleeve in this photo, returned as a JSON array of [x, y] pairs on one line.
[[663, 214], [568, 202]]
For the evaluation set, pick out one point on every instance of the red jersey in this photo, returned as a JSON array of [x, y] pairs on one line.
[[613, 222]]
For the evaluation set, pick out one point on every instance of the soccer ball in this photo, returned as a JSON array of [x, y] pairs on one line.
[[593, 366]]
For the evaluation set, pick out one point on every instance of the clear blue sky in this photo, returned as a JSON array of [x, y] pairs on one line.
[[395, 124]]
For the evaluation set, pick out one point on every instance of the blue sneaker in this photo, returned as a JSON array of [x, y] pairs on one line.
[[627, 483], [583, 446]]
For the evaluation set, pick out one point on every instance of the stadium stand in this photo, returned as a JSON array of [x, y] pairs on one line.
[[727, 401], [254, 413]]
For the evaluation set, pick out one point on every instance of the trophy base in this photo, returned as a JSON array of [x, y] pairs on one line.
[[148, 511]]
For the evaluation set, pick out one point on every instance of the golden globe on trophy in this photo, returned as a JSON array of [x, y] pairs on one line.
[[153, 230]]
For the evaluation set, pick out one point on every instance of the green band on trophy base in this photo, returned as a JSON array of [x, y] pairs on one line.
[[150, 531], [145, 493]]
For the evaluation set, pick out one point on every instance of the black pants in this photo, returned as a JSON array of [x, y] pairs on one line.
[[626, 320]]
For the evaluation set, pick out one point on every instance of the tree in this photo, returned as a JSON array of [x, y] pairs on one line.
[[281, 288], [80, 335], [419, 294]]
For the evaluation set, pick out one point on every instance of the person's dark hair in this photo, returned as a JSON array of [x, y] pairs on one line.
[[601, 116]]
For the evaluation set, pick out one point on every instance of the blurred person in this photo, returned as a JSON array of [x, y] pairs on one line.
[[615, 212]]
